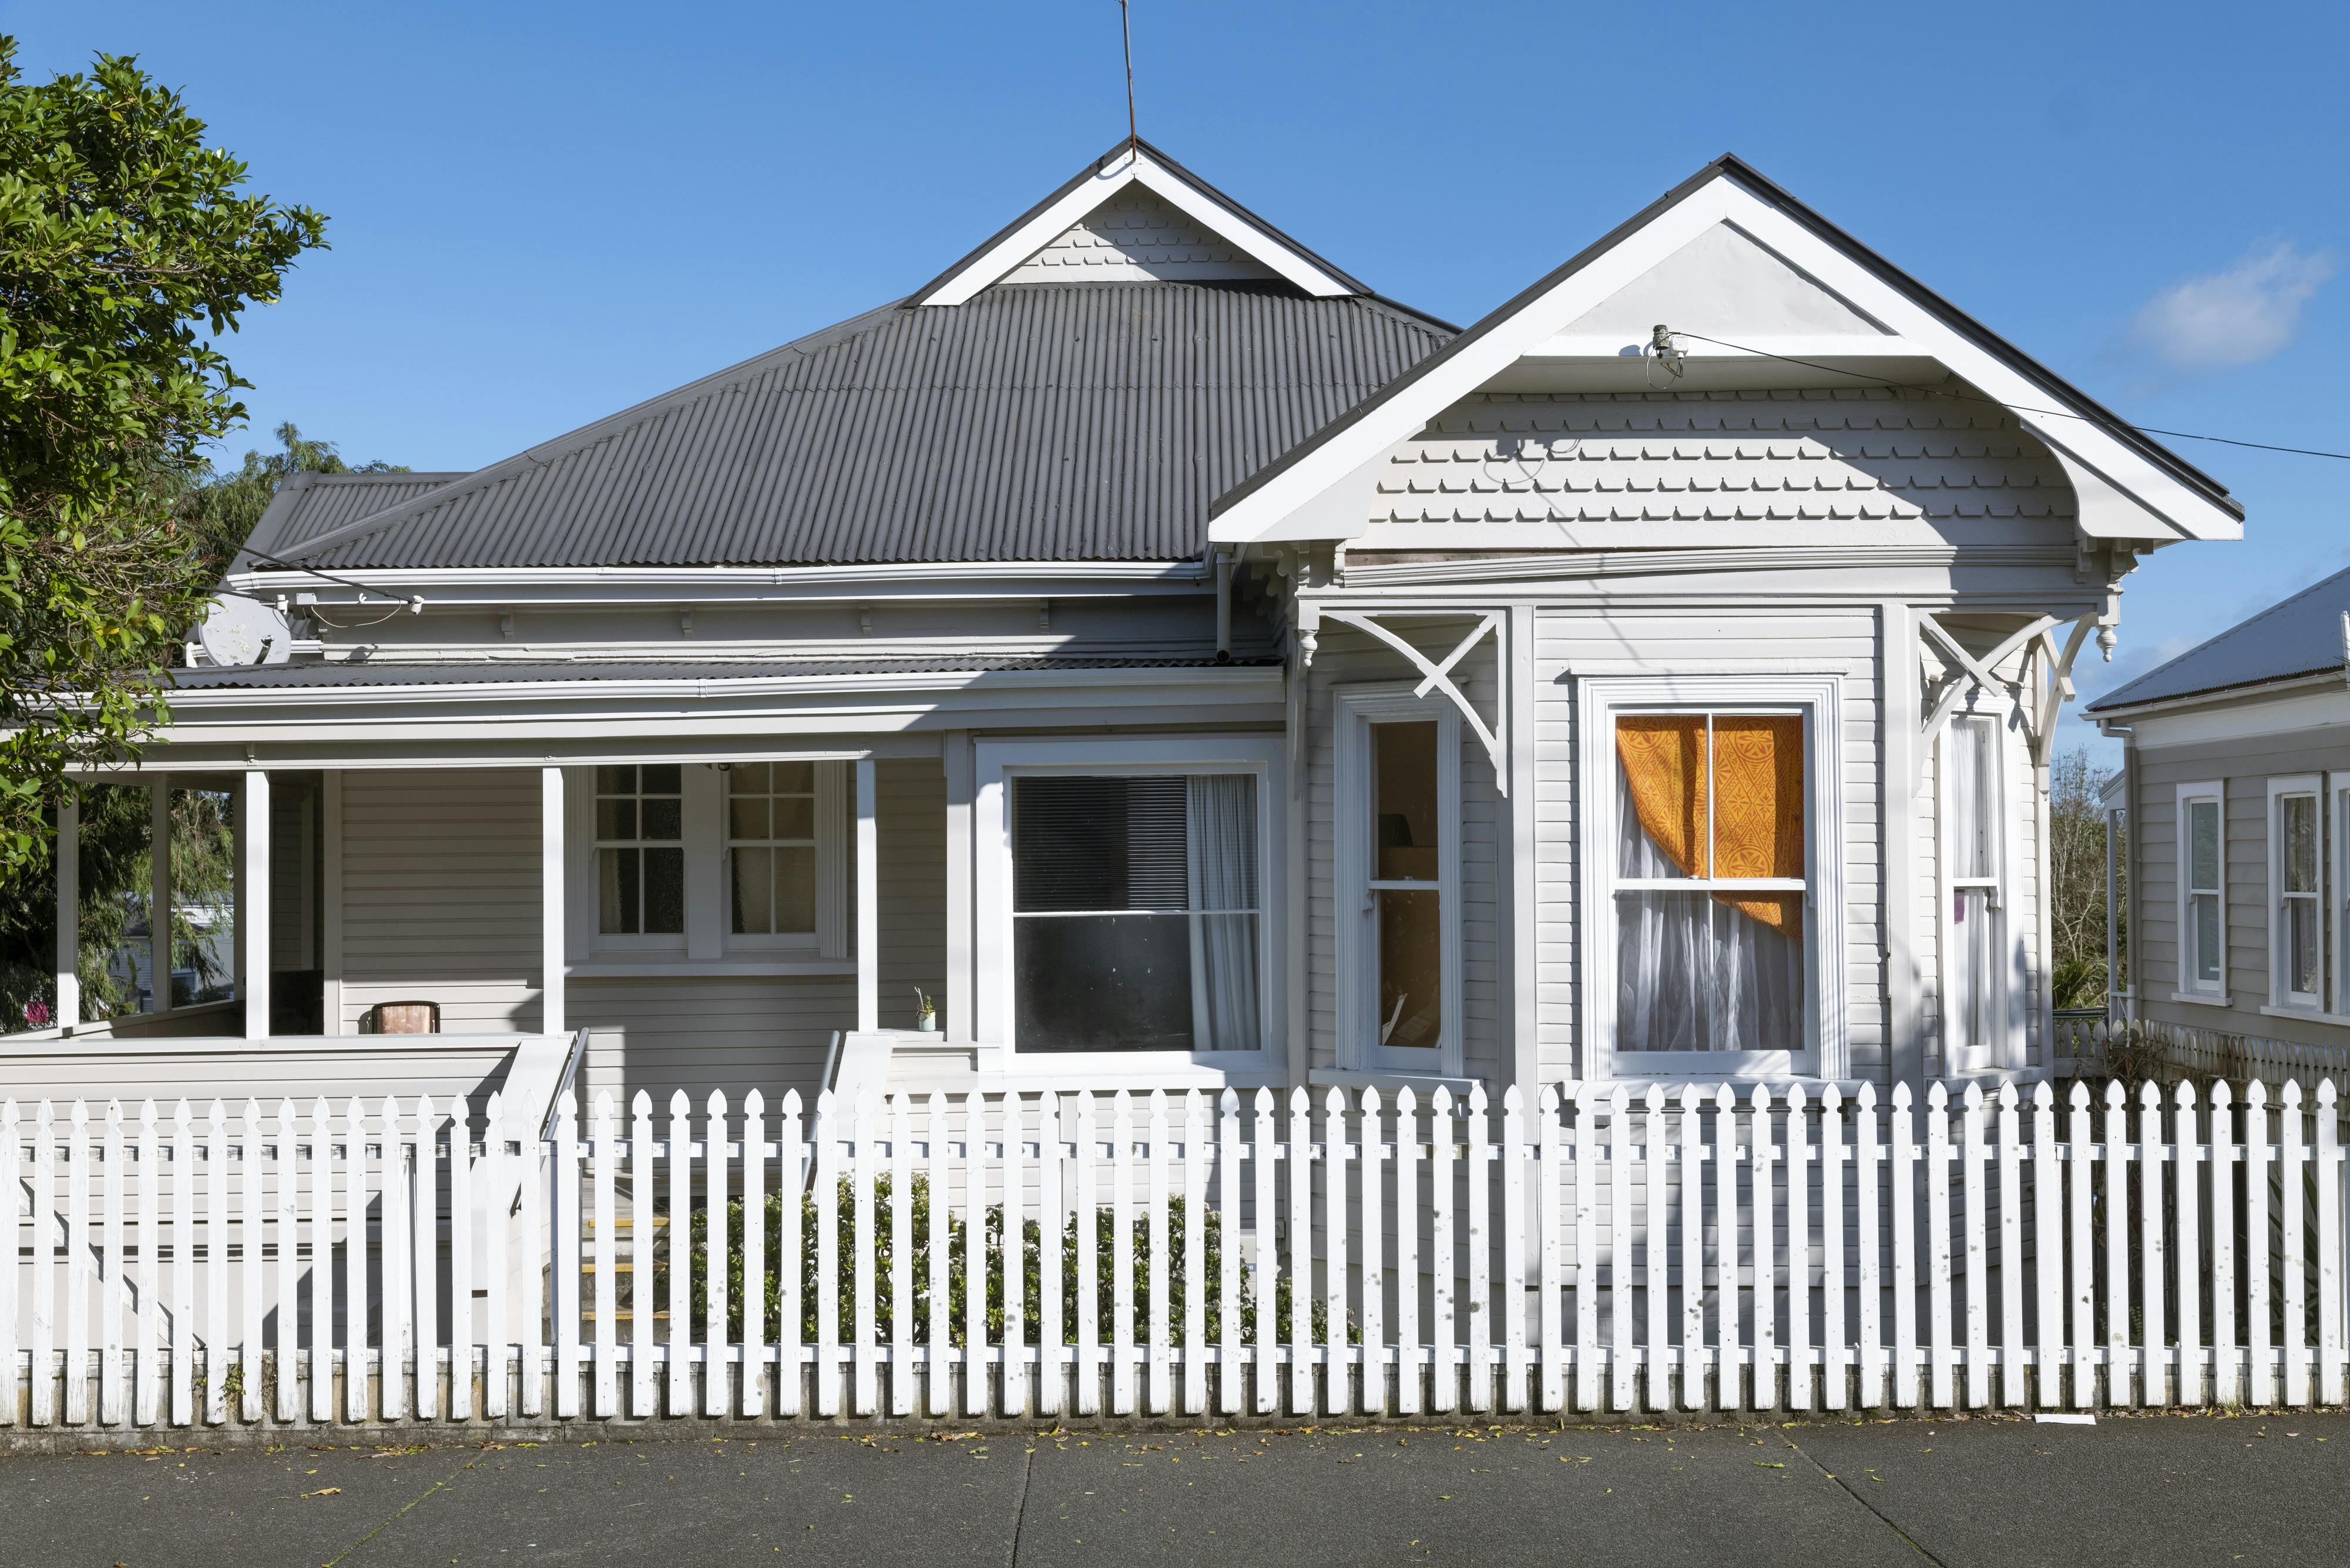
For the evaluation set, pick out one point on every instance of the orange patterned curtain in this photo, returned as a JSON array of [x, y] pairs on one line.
[[1755, 780]]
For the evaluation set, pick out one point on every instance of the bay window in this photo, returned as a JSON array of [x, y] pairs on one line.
[[1711, 914]]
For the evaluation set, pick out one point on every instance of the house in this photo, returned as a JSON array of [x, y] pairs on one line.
[[1179, 665], [2235, 788]]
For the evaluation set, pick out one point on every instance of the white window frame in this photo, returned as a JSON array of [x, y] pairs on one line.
[[1358, 709], [2189, 987], [1819, 697], [2008, 1049], [999, 761], [706, 945], [2281, 995], [2337, 797]]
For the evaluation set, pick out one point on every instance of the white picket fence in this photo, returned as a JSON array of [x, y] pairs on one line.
[[1602, 1250]]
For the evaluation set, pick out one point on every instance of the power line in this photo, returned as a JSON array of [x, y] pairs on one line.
[[2012, 408], [409, 599]]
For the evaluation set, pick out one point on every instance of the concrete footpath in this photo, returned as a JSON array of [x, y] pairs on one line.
[[2245, 1490]]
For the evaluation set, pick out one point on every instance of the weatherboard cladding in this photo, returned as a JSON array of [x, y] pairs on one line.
[[1091, 422], [2299, 636]]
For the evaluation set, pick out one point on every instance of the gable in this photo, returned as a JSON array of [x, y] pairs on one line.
[[1136, 236], [1796, 305], [1190, 223], [1726, 277]]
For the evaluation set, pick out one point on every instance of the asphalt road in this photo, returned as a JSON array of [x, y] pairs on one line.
[[2140, 1490]]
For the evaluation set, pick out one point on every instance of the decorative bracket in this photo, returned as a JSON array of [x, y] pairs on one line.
[[2035, 694], [1439, 675]]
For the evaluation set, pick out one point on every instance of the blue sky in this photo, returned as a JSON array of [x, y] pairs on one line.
[[541, 215]]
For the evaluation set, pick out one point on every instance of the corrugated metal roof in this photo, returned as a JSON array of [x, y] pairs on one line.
[[2299, 636], [308, 505], [1086, 422], [353, 673]]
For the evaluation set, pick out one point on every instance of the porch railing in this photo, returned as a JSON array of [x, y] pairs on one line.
[[1598, 1250]]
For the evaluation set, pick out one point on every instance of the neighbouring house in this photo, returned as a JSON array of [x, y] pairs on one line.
[[1154, 658], [2235, 791]]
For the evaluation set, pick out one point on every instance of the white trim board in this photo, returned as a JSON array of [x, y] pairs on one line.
[[1130, 165]]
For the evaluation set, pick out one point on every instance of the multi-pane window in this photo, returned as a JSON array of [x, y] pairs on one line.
[[1710, 881], [2299, 944], [640, 850], [1971, 756], [1135, 915], [771, 878], [2204, 949], [1405, 886]]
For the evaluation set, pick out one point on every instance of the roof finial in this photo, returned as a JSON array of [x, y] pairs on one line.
[[1126, 29]]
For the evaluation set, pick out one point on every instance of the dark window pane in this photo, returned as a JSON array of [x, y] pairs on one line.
[[615, 780], [661, 778], [795, 889], [660, 818], [1411, 967], [794, 777], [794, 818], [1403, 769], [753, 882], [664, 890], [1082, 843], [1102, 983], [747, 778], [615, 819], [746, 819], [617, 892]]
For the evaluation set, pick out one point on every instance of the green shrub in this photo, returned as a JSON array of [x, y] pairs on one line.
[[921, 1232]]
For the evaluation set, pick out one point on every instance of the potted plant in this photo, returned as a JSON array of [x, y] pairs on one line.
[[926, 1014]]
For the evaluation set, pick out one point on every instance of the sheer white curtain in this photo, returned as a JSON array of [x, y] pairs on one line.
[[1221, 853], [1692, 973]]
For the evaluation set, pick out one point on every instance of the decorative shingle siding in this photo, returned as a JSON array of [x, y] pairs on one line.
[[1827, 456], [1136, 235]]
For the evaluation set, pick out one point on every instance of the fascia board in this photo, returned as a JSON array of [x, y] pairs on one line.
[[949, 579], [1231, 225], [1082, 196], [2250, 695], [506, 694], [2119, 489], [1270, 512], [2122, 494]]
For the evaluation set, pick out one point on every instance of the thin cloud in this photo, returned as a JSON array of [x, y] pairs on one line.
[[2235, 318]]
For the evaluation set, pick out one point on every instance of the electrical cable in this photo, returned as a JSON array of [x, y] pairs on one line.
[[2012, 408], [414, 602]]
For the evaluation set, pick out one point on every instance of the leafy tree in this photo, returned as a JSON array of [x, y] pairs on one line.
[[126, 248]]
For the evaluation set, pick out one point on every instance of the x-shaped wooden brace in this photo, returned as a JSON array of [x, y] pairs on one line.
[[2039, 716], [1439, 675]]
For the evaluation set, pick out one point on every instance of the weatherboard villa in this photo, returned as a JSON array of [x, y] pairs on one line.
[[1179, 665]]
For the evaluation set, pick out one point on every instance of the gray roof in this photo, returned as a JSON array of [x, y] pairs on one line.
[[309, 504], [2299, 636], [312, 676], [1091, 422]]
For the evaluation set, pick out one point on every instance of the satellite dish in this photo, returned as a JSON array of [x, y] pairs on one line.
[[239, 630]]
